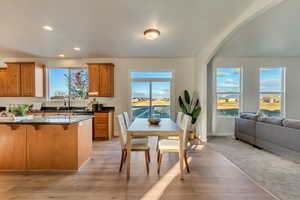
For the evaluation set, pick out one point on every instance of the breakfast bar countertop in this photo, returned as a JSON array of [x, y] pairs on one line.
[[46, 119]]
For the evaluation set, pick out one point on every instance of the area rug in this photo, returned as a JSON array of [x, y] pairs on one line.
[[277, 175]]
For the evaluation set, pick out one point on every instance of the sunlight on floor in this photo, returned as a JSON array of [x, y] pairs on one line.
[[197, 147], [156, 192]]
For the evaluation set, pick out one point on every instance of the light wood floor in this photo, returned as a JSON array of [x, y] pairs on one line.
[[212, 177]]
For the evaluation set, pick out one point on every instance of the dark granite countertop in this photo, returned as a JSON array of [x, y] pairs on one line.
[[55, 120], [76, 110]]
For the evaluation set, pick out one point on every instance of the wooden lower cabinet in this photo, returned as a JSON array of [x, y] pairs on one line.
[[52, 147], [103, 125], [45, 147], [12, 147]]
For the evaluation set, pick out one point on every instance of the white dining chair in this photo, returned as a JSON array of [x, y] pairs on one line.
[[127, 119], [128, 123], [178, 122], [136, 144], [171, 145]]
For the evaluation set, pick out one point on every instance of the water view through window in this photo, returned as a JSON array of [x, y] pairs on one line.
[[150, 94]]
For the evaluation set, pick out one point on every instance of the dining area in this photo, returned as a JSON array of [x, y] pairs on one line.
[[171, 137]]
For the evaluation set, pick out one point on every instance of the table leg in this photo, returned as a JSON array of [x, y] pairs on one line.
[[128, 155], [181, 155]]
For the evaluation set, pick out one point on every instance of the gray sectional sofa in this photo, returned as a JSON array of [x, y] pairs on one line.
[[277, 135]]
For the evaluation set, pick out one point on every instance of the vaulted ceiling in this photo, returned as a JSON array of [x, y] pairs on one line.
[[275, 33], [112, 28]]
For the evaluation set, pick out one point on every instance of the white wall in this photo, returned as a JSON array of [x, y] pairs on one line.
[[183, 69], [250, 67]]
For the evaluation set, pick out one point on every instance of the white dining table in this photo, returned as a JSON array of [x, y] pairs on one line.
[[141, 127]]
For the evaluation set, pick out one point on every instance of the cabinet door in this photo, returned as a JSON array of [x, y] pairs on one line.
[[106, 80], [10, 81], [28, 79], [3, 82], [12, 147], [52, 147], [101, 125], [93, 80]]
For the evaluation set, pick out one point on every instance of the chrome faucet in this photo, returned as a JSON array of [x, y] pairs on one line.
[[67, 102]]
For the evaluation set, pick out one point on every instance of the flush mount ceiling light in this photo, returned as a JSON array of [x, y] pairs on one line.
[[151, 34], [76, 48], [47, 28], [61, 55]]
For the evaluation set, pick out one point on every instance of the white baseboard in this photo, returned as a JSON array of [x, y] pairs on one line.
[[221, 134]]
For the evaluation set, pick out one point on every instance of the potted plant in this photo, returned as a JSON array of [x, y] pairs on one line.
[[191, 107], [20, 110]]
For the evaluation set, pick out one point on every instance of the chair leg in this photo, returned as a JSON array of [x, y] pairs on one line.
[[122, 161], [147, 160], [186, 162], [158, 152], [149, 156], [125, 155], [159, 161]]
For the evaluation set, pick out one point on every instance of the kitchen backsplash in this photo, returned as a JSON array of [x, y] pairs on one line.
[[5, 101]]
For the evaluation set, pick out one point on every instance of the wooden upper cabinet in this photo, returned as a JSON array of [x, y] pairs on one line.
[[94, 83], [101, 80], [10, 81], [106, 80], [32, 80], [22, 80]]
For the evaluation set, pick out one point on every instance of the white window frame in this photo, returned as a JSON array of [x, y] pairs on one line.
[[171, 80], [216, 93], [48, 81], [283, 91]]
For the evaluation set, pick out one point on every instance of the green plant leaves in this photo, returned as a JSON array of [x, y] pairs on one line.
[[195, 114], [20, 109], [182, 106], [187, 97], [190, 107]]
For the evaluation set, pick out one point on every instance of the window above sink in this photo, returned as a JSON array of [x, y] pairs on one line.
[[68, 83]]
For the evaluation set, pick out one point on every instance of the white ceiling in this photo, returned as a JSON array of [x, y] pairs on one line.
[[275, 33], [112, 28]]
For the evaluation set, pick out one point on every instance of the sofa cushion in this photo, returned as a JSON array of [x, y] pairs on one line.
[[250, 116], [291, 123], [271, 120]]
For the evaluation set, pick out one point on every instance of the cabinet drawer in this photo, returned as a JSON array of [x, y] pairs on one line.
[[100, 120], [101, 114], [102, 127]]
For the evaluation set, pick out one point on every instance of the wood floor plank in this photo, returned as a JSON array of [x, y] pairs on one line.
[[212, 177]]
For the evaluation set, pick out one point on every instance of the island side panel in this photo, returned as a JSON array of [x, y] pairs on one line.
[[12, 147], [85, 140], [52, 147]]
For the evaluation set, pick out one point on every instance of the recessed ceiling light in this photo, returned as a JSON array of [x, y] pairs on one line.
[[76, 48], [61, 55], [151, 34], [48, 28]]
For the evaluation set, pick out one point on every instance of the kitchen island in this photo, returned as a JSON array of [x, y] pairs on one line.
[[49, 143]]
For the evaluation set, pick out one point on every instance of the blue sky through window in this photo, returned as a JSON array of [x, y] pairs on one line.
[[228, 80], [58, 81], [151, 75], [159, 89], [61, 80], [271, 79]]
